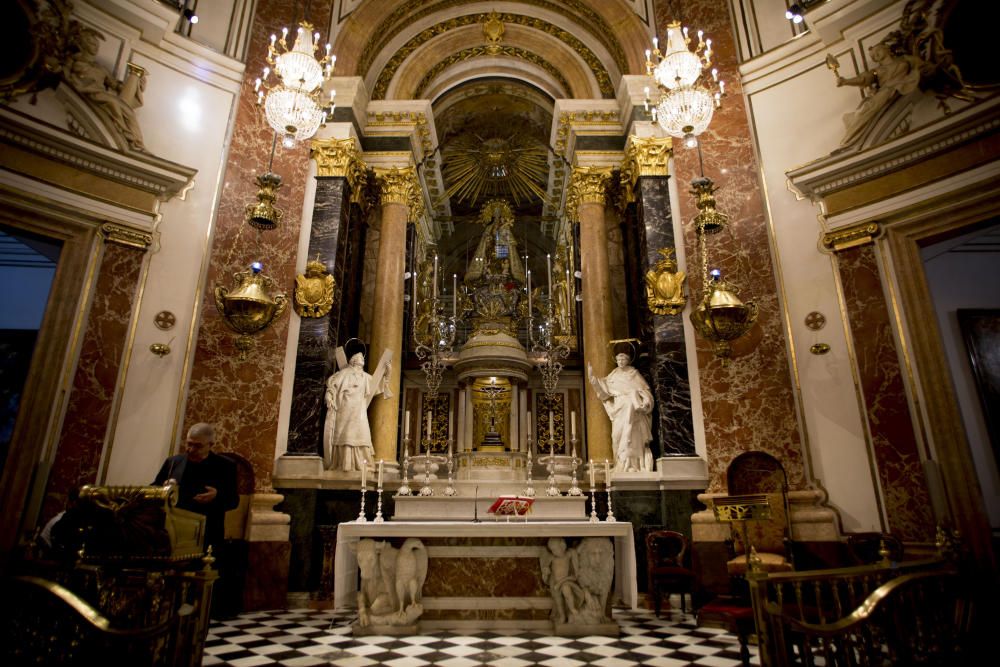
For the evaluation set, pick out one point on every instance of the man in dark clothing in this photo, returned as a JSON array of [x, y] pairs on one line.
[[206, 485]]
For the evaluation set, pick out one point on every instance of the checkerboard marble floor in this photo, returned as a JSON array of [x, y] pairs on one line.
[[309, 637]]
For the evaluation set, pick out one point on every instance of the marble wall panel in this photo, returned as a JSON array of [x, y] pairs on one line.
[[893, 441], [749, 403], [672, 388], [317, 335], [93, 391], [241, 397]]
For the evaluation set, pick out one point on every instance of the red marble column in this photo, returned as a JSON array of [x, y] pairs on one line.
[[88, 411], [890, 425], [241, 397], [748, 404]]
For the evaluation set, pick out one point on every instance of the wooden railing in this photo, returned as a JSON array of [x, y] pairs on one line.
[[870, 615]]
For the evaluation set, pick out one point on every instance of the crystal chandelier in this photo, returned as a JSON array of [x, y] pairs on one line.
[[292, 104], [686, 105]]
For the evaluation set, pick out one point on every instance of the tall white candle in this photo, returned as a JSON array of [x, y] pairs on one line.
[[454, 295], [548, 266], [531, 429], [451, 421], [551, 426], [429, 416], [607, 473], [406, 425], [569, 293], [434, 276], [529, 293], [592, 485], [364, 475], [572, 425], [380, 464]]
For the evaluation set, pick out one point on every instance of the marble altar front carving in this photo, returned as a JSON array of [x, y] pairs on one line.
[[392, 582], [496, 575]]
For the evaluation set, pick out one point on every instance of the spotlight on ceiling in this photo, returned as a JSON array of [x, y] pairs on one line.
[[794, 13]]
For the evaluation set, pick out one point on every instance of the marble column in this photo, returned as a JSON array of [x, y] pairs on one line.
[[587, 197], [340, 180], [645, 176], [398, 188]]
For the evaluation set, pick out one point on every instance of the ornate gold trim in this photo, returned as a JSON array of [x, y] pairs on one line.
[[850, 237], [400, 186], [644, 156], [340, 158], [591, 21], [126, 236], [476, 51], [587, 185], [313, 290]]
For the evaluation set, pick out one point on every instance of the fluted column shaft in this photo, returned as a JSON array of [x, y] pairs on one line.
[[397, 188], [588, 194]]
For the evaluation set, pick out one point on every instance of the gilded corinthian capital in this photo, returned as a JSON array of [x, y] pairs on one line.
[[400, 186], [587, 185], [644, 156]]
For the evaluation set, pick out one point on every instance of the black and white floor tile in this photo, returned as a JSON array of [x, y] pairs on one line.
[[308, 637]]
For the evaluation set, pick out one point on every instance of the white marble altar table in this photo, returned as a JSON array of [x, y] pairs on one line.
[[346, 576]]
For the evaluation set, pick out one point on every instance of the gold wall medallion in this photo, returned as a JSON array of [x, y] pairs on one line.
[[314, 291], [165, 320], [819, 348], [665, 285]]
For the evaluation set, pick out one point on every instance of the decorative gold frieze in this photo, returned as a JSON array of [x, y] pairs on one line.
[[126, 236], [493, 29], [850, 237], [587, 185], [665, 285], [314, 290], [477, 51], [644, 156]]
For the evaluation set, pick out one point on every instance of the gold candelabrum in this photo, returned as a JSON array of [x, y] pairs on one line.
[[433, 335], [720, 317]]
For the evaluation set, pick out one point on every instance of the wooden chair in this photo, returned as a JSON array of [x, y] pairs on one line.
[[666, 567]]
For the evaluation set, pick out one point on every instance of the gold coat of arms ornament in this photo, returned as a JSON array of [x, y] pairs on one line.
[[665, 285], [314, 291]]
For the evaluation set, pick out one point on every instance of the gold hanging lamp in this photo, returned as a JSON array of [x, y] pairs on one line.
[[721, 316]]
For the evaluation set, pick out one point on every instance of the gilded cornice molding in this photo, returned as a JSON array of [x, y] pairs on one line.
[[400, 186], [414, 10], [340, 158], [597, 68], [850, 237], [587, 185], [126, 236], [644, 156]]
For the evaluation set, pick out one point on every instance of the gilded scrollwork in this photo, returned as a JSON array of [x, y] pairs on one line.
[[849, 237], [400, 186], [644, 156], [126, 236], [588, 185]]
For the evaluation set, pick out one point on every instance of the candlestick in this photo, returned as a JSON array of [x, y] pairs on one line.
[[404, 488], [607, 483], [361, 514], [548, 266], [429, 416], [381, 462], [572, 425], [607, 473], [454, 295], [529, 293], [434, 276]]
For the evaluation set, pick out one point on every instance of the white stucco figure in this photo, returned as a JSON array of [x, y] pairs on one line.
[[347, 436], [893, 75], [579, 579], [629, 404], [392, 581]]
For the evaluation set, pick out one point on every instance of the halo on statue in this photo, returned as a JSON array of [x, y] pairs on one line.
[[627, 346], [351, 350]]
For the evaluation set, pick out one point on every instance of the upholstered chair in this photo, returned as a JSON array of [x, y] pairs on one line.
[[666, 567]]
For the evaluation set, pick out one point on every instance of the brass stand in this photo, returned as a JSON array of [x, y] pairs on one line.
[[740, 509]]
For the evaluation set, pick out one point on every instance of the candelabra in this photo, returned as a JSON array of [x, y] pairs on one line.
[[433, 335], [611, 513], [427, 489], [547, 345], [404, 488], [364, 487], [574, 489], [378, 511]]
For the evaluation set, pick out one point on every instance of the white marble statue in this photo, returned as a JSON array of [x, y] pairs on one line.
[[392, 581], [892, 76], [347, 436], [579, 579], [629, 404]]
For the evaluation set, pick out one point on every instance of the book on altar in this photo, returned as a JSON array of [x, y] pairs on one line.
[[511, 506]]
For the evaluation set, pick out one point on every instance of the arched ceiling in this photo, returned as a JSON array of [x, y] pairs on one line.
[[492, 71]]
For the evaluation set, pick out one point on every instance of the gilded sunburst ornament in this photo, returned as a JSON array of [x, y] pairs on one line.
[[494, 162]]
